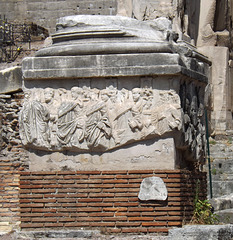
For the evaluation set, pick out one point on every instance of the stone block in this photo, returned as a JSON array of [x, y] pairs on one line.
[[204, 232], [10, 80]]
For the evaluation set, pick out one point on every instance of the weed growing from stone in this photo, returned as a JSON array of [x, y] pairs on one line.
[[203, 211]]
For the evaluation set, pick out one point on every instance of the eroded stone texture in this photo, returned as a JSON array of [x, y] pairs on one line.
[[152, 188], [109, 84]]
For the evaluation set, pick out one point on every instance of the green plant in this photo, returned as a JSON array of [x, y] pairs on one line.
[[212, 142], [214, 171], [229, 141], [203, 210]]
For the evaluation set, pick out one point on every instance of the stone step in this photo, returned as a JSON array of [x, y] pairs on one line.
[[221, 188], [225, 216], [222, 203]]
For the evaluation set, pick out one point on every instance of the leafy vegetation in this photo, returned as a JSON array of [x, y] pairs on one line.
[[203, 210]]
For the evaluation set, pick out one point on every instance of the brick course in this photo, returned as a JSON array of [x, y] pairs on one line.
[[94, 199]]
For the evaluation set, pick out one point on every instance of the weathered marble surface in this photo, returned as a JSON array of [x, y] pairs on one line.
[[152, 188], [97, 119], [109, 83]]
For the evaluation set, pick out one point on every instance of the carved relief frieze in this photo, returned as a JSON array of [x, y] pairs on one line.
[[85, 118], [193, 120]]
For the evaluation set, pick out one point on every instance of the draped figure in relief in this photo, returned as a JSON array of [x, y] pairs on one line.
[[34, 118], [70, 122]]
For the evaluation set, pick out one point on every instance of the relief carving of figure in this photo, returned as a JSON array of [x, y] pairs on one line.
[[34, 118], [51, 104], [135, 122], [70, 122], [98, 128]]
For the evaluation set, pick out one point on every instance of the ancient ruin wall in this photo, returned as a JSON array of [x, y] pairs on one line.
[[45, 13], [106, 200]]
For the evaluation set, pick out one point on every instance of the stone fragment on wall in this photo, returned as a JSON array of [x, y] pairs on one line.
[[152, 188]]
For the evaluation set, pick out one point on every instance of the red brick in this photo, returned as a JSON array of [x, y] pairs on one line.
[[91, 200], [24, 182], [126, 204], [140, 171], [89, 209], [147, 224], [121, 190], [25, 200], [128, 224], [89, 219], [89, 172], [44, 173], [115, 209], [101, 195], [95, 190], [76, 177], [52, 177], [126, 194], [53, 225], [114, 219], [113, 230], [49, 205], [25, 219], [101, 185], [74, 205], [43, 190], [141, 209], [22, 191], [114, 172], [75, 186], [141, 218], [44, 200], [82, 214], [131, 176], [100, 204], [102, 224], [96, 181], [102, 177], [66, 200], [28, 177], [66, 219], [102, 214], [43, 219], [155, 213], [177, 223], [66, 181], [25, 210], [54, 195], [158, 230], [31, 205], [43, 210], [134, 230], [38, 182], [127, 186], [55, 214], [31, 225], [115, 181], [139, 180], [177, 175], [66, 173], [115, 200], [77, 224]]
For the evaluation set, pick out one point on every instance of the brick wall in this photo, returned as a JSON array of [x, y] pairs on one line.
[[107, 200], [9, 196]]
